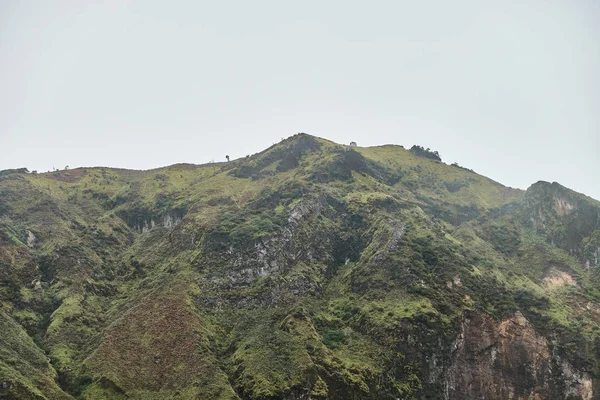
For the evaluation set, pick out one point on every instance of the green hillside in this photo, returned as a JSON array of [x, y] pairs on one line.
[[310, 270]]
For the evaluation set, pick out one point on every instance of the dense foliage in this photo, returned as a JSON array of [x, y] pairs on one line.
[[423, 152]]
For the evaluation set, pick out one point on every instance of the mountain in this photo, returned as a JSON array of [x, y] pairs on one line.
[[311, 270]]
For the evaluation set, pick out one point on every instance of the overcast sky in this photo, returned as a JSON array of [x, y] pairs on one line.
[[510, 89]]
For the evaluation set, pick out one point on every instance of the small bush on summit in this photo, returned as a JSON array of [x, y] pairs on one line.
[[425, 152]]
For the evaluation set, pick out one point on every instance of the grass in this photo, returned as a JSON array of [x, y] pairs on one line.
[[367, 257], [428, 178], [23, 366]]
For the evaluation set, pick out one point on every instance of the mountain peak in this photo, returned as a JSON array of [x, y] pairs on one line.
[[308, 270]]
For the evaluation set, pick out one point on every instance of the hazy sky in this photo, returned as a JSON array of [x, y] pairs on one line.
[[508, 88]]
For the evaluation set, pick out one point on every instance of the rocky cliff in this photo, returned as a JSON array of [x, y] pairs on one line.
[[311, 270]]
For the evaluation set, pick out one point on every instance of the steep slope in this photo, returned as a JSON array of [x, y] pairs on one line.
[[24, 369], [309, 270]]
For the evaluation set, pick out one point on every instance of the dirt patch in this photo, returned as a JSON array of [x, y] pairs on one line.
[[556, 279], [160, 344]]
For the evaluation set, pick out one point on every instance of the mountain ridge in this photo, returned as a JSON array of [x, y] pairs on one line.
[[308, 270]]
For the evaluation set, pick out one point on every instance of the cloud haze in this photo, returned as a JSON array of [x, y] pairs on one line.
[[508, 88]]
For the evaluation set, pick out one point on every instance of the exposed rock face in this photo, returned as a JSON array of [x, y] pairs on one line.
[[168, 221], [568, 219], [269, 256], [397, 230], [509, 360], [593, 257], [31, 239], [562, 206]]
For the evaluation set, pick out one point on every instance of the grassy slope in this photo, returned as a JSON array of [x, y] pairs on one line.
[[389, 246], [24, 369]]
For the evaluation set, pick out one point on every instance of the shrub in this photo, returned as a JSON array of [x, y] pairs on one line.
[[428, 153], [14, 171], [333, 339]]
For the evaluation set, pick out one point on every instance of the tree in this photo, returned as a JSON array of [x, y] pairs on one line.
[[227, 157], [420, 151], [353, 144]]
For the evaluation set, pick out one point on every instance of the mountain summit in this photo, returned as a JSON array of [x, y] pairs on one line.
[[311, 270]]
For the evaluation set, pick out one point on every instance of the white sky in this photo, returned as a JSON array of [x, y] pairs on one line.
[[508, 88]]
